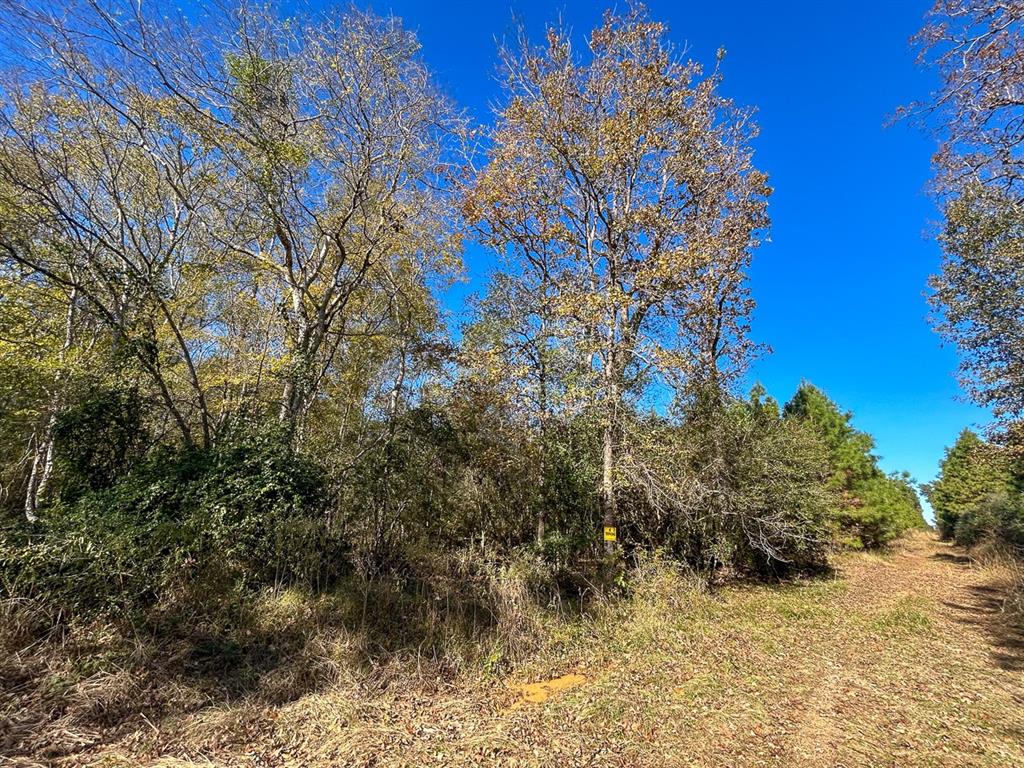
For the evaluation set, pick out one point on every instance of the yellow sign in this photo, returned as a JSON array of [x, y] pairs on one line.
[[609, 533]]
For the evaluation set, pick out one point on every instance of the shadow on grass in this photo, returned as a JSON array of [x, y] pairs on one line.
[[984, 608], [64, 694], [202, 652], [782, 580], [952, 557]]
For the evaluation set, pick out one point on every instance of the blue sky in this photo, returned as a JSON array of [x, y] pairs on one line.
[[840, 286]]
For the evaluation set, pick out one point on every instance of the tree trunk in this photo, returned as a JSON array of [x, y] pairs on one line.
[[42, 459], [44, 478], [608, 509], [30, 491], [292, 394], [609, 512], [542, 396], [295, 395], [542, 490]]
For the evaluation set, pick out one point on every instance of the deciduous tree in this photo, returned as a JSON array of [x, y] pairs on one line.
[[977, 47], [626, 173]]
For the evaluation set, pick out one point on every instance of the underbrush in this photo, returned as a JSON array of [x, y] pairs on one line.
[[463, 619], [230, 580], [334, 668], [181, 524]]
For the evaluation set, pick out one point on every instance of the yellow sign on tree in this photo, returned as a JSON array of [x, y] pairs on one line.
[[609, 533]]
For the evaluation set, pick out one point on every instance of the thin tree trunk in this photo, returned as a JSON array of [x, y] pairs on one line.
[[383, 506], [542, 396], [608, 506], [611, 407], [291, 395], [30, 491], [542, 490], [204, 412], [609, 511], [42, 460], [44, 479]]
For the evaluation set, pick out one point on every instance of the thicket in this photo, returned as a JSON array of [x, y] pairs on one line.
[[225, 369]]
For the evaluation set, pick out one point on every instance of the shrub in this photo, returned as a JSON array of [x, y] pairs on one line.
[[247, 513], [97, 441], [734, 484], [998, 519], [447, 476]]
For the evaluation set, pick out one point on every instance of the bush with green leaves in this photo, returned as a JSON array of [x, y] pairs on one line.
[[998, 519], [245, 513], [98, 440], [461, 471], [880, 509]]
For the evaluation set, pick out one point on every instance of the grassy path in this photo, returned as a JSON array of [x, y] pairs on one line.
[[902, 660]]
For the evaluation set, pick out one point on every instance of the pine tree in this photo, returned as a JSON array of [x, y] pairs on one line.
[[873, 508], [971, 471]]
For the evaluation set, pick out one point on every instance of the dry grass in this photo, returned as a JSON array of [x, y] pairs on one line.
[[1006, 572], [904, 660]]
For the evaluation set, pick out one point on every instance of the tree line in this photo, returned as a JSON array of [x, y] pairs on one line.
[[224, 356]]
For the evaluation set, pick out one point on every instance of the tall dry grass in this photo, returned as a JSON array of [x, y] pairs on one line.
[[204, 666], [1006, 566]]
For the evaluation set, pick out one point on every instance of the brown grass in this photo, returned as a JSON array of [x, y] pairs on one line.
[[907, 659]]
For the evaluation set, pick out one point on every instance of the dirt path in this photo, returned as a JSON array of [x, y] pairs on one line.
[[927, 669], [901, 660]]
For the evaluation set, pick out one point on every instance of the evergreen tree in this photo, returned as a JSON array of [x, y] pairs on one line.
[[849, 450], [971, 471], [873, 508]]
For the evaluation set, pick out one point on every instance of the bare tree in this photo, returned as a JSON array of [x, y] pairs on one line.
[[106, 199]]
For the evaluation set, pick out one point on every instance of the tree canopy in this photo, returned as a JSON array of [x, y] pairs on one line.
[[977, 46]]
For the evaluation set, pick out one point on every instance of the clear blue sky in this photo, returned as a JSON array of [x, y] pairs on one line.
[[840, 286]]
